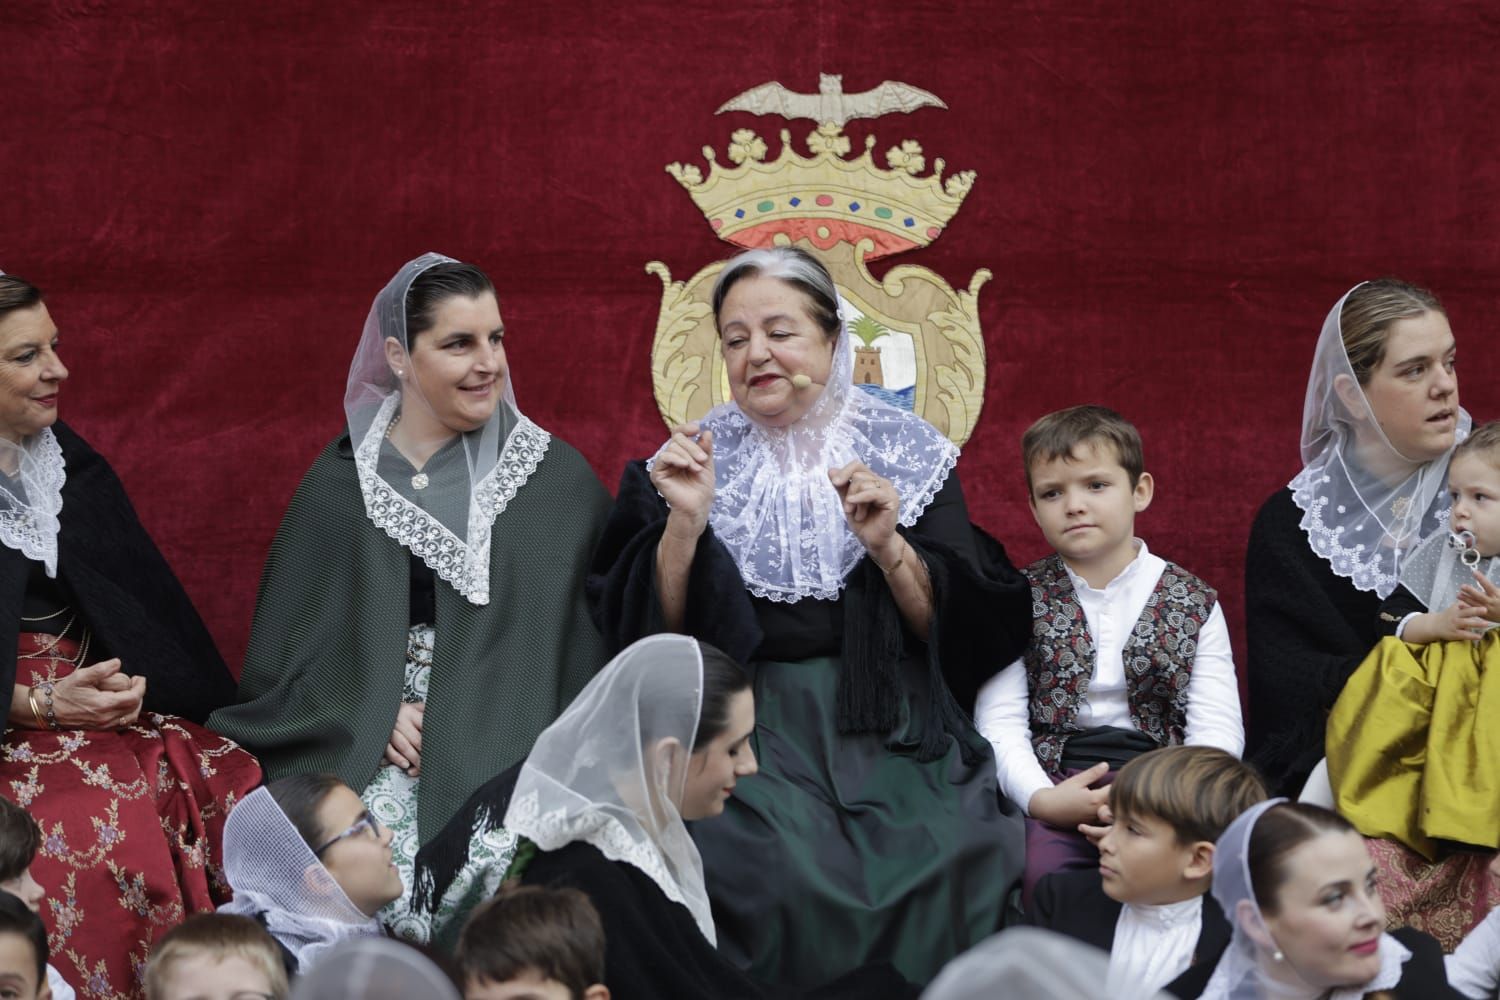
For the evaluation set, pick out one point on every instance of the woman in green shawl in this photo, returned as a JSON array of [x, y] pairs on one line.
[[431, 559]]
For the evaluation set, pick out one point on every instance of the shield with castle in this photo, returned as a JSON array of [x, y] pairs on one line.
[[919, 344]]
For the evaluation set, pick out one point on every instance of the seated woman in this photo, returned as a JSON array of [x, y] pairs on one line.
[[1300, 891], [661, 736], [433, 557], [1379, 426], [111, 671], [308, 861], [820, 534]]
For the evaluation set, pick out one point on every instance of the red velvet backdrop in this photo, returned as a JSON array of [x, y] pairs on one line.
[[1170, 197]]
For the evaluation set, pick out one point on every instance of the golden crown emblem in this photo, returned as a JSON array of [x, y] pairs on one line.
[[824, 198], [920, 347]]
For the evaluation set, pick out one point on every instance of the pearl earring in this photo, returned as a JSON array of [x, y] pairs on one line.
[[400, 373], [1278, 956]]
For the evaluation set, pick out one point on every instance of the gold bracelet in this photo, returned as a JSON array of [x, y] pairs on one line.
[[35, 709], [894, 566]]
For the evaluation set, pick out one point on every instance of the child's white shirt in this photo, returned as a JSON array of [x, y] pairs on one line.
[[60, 988], [1153, 945], [1213, 709], [1474, 968]]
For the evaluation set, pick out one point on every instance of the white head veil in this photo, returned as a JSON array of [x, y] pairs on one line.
[[612, 768], [774, 507], [500, 456], [1029, 963], [273, 872], [31, 497], [1362, 524], [1237, 976], [1442, 563], [374, 969]]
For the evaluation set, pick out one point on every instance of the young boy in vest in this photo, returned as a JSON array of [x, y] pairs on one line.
[[1147, 903], [1129, 652]]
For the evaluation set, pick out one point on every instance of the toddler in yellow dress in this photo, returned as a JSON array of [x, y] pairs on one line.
[[1407, 756]]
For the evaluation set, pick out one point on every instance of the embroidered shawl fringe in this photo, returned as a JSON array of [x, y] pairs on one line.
[[441, 859]]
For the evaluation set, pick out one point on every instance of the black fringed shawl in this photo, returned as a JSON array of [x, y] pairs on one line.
[[654, 947], [124, 589], [981, 611]]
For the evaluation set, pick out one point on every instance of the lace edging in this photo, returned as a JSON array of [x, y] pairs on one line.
[[450, 557], [556, 830], [1343, 561]]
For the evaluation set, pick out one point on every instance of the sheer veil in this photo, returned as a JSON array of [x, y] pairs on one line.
[[1362, 524], [500, 456], [774, 507], [275, 874], [1238, 976], [611, 770]]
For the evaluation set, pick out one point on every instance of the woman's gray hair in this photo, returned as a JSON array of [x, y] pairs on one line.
[[797, 268]]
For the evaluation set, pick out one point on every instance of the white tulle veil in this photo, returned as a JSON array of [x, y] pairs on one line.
[[774, 507], [276, 876], [500, 456], [1361, 523], [1238, 975], [611, 770]]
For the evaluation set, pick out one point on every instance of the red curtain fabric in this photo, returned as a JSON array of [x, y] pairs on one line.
[[1170, 197]]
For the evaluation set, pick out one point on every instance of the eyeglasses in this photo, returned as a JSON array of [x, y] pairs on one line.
[[366, 822]]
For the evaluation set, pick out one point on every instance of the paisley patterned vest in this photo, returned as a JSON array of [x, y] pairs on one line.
[[1158, 657]]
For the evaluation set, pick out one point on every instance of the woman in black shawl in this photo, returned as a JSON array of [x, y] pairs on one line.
[[820, 536], [111, 673]]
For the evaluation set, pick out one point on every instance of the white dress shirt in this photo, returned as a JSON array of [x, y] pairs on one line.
[[1153, 945], [1474, 968], [1213, 708]]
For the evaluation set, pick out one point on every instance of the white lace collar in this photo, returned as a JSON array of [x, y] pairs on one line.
[[465, 564], [774, 507], [31, 499]]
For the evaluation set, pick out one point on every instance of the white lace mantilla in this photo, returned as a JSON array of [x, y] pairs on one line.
[[1357, 544], [29, 524], [558, 828], [465, 565], [778, 514]]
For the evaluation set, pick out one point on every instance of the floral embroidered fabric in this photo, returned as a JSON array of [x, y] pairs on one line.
[[392, 798], [132, 824], [1158, 657]]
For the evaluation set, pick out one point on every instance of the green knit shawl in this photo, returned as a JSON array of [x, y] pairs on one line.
[[325, 666]]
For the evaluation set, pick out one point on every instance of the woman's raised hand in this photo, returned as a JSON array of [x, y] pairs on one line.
[[99, 696], [870, 506], [405, 746], [683, 474]]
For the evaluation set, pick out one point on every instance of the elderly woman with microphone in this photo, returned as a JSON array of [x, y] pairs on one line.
[[820, 535]]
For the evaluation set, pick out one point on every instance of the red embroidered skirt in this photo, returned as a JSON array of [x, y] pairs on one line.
[[132, 829]]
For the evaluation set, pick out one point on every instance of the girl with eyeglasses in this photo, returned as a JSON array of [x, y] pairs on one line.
[[307, 860]]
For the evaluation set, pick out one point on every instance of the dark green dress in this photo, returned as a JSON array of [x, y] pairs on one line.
[[326, 664], [875, 829]]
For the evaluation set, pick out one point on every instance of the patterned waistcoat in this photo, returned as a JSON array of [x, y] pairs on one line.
[[1158, 657]]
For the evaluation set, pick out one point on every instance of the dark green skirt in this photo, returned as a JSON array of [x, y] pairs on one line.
[[845, 850]]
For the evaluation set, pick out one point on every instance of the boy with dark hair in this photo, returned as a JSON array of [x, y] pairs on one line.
[[20, 838], [23, 950], [1148, 903], [533, 943], [1128, 652]]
